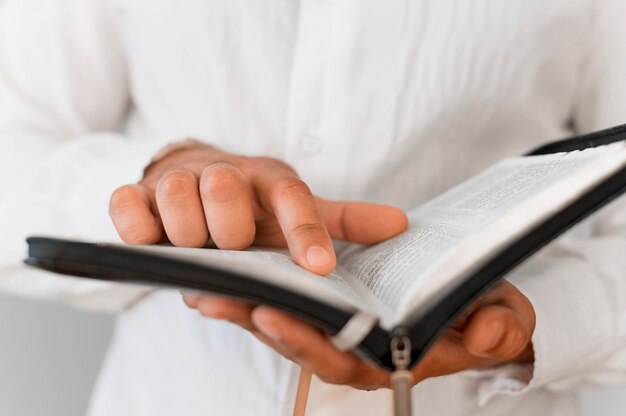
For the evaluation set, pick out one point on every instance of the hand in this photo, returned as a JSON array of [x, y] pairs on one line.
[[497, 329], [198, 193]]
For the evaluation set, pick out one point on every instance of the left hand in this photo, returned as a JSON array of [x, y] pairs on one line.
[[497, 329]]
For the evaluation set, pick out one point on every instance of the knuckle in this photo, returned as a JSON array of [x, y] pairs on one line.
[[176, 183], [308, 228], [291, 187], [270, 163], [220, 180]]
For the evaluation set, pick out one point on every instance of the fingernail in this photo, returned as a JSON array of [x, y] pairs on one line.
[[318, 256], [496, 328], [189, 295]]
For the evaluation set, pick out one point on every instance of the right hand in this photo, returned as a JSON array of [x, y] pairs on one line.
[[198, 193]]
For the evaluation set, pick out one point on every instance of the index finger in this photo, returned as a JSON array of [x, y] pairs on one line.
[[290, 200]]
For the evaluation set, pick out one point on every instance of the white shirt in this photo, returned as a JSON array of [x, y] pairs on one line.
[[390, 101]]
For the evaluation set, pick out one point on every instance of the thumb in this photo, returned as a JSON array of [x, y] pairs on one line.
[[497, 332], [361, 222]]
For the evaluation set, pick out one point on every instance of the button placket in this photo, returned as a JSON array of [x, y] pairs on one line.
[[309, 83]]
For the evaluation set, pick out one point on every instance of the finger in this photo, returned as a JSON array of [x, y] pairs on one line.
[[516, 301], [290, 200], [178, 199], [190, 299], [497, 332], [216, 307], [502, 293], [227, 206], [447, 356], [311, 349], [130, 211], [361, 222]]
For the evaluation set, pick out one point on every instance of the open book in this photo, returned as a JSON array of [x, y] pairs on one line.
[[393, 299]]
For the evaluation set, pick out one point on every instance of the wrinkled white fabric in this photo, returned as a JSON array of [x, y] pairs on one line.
[[381, 101]]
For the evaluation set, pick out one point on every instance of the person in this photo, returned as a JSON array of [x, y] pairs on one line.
[[371, 107]]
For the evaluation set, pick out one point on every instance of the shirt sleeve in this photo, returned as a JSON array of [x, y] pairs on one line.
[[63, 94], [578, 285]]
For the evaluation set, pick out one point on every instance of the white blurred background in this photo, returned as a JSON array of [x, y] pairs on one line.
[[49, 357]]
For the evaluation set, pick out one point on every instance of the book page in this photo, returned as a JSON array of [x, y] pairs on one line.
[[464, 225]]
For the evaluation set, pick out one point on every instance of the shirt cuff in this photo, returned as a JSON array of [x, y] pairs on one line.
[[67, 197], [574, 320]]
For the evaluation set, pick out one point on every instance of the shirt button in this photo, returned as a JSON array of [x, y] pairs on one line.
[[311, 145]]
